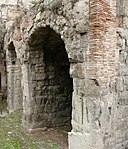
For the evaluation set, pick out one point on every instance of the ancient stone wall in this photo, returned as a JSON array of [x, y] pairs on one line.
[[99, 86], [70, 62], [68, 34], [122, 80], [47, 90], [10, 12]]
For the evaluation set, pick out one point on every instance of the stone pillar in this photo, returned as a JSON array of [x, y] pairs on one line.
[[10, 88], [27, 107], [14, 91], [93, 116], [18, 89]]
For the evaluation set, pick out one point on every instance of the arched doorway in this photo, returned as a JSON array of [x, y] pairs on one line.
[[50, 85], [14, 91]]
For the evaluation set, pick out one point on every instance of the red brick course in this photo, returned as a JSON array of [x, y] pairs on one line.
[[101, 57]]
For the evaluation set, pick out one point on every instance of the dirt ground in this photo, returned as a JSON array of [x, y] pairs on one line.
[[14, 134], [58, 135]]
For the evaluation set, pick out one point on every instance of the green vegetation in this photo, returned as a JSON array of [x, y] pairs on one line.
[[13, 136], [18, 19], [16, 23], [41, 8]]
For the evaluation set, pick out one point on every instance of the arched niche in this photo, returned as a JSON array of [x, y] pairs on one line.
[[48, 100]]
